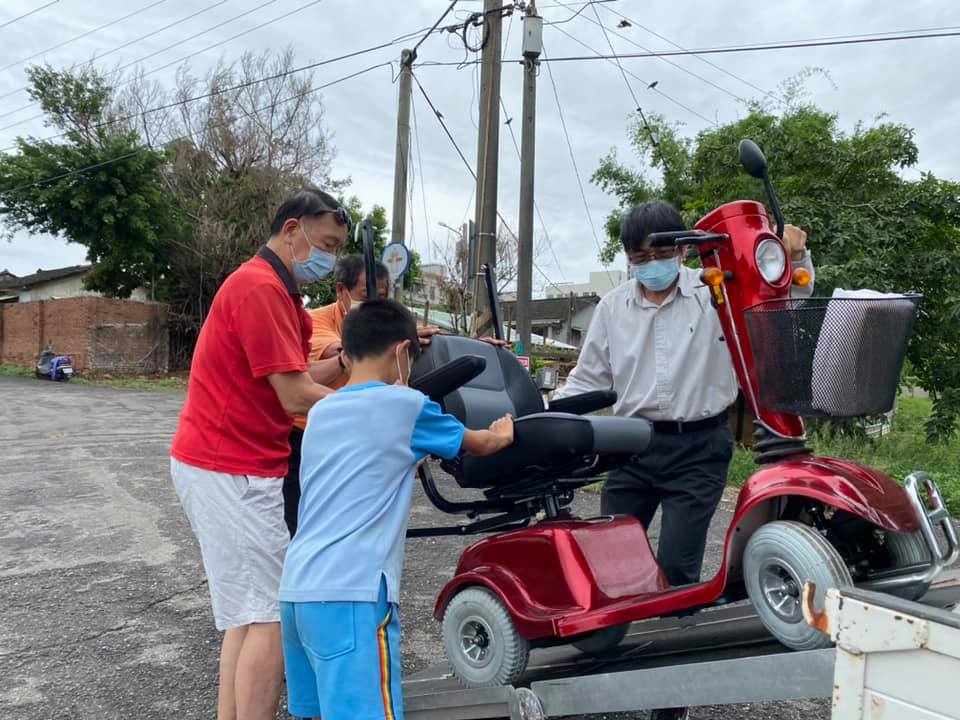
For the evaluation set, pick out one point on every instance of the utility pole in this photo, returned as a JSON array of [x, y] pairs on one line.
[[532, 46], [488, 156], [398, 226]]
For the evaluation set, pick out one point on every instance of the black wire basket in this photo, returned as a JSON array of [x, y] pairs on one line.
[[830, 357]]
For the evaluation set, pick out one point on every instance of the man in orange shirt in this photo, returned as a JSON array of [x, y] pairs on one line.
[[351, 290]]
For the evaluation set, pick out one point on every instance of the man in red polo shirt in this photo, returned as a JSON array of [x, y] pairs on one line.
[[229, 455]]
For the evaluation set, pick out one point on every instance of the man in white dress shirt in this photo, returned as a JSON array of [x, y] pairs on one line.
[[658, 342]]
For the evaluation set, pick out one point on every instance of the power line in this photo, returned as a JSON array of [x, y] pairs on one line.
[[232, 88], [576, 170], [248, 113], [678, 66], [423, 187], [643, 118], [728, 49], [430, 31], [161, 50], [116, 49], [466, 163], [681, 47], [615, 59], [28, 14], [78, 37]]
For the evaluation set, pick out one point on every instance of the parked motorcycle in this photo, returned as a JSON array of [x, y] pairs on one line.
[[52, 366]]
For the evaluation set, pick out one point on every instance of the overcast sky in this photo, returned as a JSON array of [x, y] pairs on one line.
[[913, 82]]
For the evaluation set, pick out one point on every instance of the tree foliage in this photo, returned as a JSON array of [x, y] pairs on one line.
[[170, 189], [873, 220]]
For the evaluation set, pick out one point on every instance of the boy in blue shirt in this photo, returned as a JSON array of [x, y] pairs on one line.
[[341, 577]]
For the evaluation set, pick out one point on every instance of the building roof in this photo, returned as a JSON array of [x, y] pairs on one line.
[[553, 309], [42, 276], [7, 279]]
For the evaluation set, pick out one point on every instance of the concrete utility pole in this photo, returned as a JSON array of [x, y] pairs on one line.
[[488, 156], [532, 46], [398, 225]]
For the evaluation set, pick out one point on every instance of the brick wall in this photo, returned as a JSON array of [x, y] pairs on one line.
[[101, 335]]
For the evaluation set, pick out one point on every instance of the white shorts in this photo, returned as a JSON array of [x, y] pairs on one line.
[[238, 520]]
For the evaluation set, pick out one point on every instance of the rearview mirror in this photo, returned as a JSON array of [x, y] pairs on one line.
[[752, 159]]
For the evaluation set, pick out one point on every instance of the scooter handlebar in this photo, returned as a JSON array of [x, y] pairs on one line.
[[685, 237]]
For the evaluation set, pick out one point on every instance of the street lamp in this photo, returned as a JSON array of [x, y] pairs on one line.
[[451, 229]]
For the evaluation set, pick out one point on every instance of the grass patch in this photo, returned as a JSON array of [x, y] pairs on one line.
[[902, 451], [159, 383]]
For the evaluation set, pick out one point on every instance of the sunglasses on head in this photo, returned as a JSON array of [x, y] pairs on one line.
[[342, 217]]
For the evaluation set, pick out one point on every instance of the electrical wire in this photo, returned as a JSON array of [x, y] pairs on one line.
[[681, 47], [430, 31], [470, 169], [232, 88], [249, 113], [576, 170], [113, 50], [423, 187], [678, 66], [78, 37], [615, 59], [28, 14]]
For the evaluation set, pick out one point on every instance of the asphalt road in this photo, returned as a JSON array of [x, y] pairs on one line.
[[103, 604]]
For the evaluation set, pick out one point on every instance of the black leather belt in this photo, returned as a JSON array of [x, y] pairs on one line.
[[678, 427]]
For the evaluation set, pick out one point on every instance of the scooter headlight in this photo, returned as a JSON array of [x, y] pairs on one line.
[[771, 260]]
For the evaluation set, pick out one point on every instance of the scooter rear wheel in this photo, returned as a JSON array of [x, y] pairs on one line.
[[481, 641], [778, 560], [907, 549]]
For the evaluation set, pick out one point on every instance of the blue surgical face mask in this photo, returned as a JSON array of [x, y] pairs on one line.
[[317, 266], [657, 275]]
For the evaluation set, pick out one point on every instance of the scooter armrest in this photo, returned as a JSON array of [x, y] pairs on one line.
[[585, 402]]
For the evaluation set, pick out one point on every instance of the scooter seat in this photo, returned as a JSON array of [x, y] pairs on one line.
[[548, 444]]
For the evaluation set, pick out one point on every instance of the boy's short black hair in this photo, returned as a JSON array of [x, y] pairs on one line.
[[306, 202], [351, 267], [375, 326], [646, 218]]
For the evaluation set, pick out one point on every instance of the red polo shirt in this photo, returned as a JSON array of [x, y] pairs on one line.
[[232, 420]]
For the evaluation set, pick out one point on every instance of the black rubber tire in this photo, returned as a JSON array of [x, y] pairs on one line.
[[603, 640], [798, 554], [907, 549], [506, 654]]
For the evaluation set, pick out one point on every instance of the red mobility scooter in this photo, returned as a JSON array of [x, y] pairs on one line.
[[545, 577]]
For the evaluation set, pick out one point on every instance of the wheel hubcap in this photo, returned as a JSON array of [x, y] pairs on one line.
[[781, 590], [476, 642]]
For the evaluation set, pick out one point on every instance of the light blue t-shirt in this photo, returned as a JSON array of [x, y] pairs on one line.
[[360, 450]]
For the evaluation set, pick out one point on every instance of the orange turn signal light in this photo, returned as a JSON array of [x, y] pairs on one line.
[[713, 276], [801, 277]]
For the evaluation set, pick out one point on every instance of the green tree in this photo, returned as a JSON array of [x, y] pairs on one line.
[[872, 221], [97, 187]]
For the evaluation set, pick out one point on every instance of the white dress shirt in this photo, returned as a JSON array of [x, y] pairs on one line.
[[666, 362]]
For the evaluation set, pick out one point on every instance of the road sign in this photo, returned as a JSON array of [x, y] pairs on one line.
[[524, 360], [396, 257]]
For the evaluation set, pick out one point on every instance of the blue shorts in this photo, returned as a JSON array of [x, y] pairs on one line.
[[343, 659]]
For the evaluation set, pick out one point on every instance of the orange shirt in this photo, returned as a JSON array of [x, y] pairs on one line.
[[327, 326]]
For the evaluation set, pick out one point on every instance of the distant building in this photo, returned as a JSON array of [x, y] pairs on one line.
[[56, 284], [600, 283], [429, 285], [563, 319]]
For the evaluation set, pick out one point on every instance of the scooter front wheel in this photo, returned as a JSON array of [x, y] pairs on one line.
[[778, 560], [481, 641]]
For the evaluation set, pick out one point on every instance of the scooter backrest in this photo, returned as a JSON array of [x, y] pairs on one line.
[[440, 382], [503, 387]]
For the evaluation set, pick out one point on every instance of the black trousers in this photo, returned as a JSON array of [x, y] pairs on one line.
[[291, 483], [685, 475]]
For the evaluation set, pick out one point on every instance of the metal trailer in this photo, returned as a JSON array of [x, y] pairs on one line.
[[895, 659], [715, 657]]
